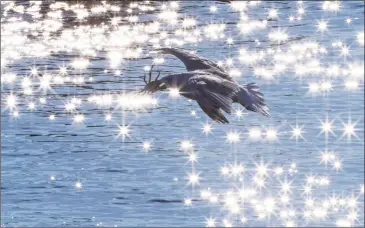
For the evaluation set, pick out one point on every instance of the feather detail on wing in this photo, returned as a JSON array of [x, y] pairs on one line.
[[213, 112], [216, 99], [252, 99], [213, 95], [207, 62]]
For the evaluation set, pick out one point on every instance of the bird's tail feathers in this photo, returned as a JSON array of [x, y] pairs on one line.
[[252, 99]]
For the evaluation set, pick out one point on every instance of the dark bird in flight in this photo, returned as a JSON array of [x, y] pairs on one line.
[[213, 93]]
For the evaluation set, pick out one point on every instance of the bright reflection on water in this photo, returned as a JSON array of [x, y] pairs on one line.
[[81, 147]]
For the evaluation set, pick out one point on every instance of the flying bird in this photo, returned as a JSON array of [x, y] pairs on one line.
[[213, 94]]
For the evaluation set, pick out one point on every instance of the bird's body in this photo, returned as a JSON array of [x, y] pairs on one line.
[[209, 85], [213, 94]]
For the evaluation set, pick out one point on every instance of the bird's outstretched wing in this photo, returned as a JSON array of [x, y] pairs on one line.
[[212, 82], [208, 63], [194, 62], [213, 112], [213, 95]]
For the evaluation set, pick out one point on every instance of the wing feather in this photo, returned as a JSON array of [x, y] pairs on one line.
[[213, 112], [216, 90], [194, 62], [216, 99]]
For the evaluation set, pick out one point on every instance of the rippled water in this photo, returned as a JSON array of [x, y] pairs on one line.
[[123, 185]]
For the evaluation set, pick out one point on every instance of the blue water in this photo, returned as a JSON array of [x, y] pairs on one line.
[[124, 186]]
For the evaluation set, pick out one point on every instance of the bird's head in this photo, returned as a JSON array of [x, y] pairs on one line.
[[153, 86]]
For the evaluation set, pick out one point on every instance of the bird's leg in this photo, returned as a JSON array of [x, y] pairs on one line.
[[158, 75], [150, 74], [144, 78]]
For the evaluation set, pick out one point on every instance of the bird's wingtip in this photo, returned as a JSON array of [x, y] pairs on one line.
[[159, 50]]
